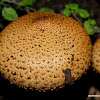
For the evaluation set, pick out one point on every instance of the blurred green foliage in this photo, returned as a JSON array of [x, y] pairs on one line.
[[89, 24], [45, 10], [9, 12], [8, 9], [26, 2]]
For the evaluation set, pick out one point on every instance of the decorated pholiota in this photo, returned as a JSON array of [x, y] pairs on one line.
[[96, 56], [43, 51]]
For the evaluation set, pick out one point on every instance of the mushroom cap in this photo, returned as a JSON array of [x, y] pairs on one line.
[[96, 56], [37, 47]]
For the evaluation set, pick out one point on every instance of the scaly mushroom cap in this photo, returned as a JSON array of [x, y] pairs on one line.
[[37, 47], [96, 56]]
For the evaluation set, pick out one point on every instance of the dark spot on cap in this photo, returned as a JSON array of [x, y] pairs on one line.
[[77, 59], [12, 56], [68, 79], [39, 45], [72, 59], [42, 30], [8, 59], [72, 45]]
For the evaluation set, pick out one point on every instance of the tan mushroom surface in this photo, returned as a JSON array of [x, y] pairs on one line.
[[36, 48], [96, 56]]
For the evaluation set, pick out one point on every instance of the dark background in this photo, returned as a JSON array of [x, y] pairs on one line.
[[79, 90]]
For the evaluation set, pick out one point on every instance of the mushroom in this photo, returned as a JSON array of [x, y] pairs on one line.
[[96, 56], [38, 50]]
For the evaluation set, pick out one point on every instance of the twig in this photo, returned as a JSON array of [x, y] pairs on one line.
[[13, 1], [98, 30], [27, 8], [3, 4], [74, 14]]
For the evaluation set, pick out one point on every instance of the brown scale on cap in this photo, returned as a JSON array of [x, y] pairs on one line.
[[36, 48], [96, 56]]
